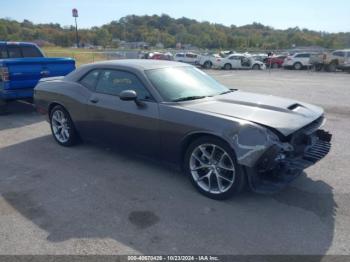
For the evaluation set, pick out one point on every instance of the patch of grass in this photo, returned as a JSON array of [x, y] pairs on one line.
[[81, 56]]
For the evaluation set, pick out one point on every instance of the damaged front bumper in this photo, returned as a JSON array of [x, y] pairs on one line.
[[276, 168]]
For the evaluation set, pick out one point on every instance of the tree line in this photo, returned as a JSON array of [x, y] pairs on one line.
[[169, 31]]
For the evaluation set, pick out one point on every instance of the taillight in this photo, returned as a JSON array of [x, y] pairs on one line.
[[4, 74]]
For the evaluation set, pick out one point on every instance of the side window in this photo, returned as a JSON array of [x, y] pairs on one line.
[[339, 53], [191, 55], [303, 55], [31, 51], [14, 51], [90, 80], [113, 82], [3, 52]]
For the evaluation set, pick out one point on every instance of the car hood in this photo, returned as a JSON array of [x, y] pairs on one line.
[[284, 115]]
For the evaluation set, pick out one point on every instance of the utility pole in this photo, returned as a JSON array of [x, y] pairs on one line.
[[75, 15]]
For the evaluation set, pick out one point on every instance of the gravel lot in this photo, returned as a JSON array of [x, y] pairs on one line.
[[93, 200]]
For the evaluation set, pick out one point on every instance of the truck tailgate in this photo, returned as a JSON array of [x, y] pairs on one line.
[[26, 72]]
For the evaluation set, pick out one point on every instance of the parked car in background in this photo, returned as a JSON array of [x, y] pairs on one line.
[[345, 65], [297, 61], [275, 61], [260, 57], [241, 61], [226, 53], [22, 65], [331, 61], [161, 56], [208, 61], [221, 138], [189, 57]]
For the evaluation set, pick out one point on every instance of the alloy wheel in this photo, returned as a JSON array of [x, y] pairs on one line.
[[60, 127], [212, 168]]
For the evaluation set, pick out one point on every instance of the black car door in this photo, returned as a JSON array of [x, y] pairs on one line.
[[124, 123]]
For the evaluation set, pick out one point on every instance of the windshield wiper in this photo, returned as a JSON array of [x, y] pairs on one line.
[[188, 98], [228, 91]]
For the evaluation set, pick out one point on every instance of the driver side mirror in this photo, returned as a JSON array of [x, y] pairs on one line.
[[128, 95]]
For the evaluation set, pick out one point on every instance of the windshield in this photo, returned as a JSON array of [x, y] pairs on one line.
[[179, 83]]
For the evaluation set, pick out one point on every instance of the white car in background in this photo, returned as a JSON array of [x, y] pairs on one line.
[[297, 61], [190, 58], [209, 61], [241, 61]]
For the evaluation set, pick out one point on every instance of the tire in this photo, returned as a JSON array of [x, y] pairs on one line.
[[3, 107], [213, 167], [62, 127], [332, 67], [318, 67], [227, 66], [298, 66], [208, 65], [256, 67]]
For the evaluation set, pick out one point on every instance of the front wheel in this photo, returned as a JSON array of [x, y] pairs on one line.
[[227, 67], [256, 67], [212, 168], [62, 127], [298, 66]]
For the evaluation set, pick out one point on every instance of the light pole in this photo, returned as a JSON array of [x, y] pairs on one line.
[[75, 15]]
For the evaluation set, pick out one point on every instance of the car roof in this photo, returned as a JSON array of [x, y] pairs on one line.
[[15, 43], [138, 64], [342, 50]]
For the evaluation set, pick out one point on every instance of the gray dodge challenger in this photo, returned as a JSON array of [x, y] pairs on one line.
[[222, 138]]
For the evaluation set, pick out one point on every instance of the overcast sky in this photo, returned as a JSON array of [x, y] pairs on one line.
[[320, 15]]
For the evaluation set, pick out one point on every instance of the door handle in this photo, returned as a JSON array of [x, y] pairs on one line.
[[94, 100]]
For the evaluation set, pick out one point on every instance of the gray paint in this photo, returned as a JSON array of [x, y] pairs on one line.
[[243, 120]]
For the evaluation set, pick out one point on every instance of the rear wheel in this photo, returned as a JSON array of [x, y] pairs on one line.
[[212, 168], [227, 67], [208, 65], [62, 127], [297, 66]]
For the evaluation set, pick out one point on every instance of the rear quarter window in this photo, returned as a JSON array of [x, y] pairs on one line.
[[90, 79], [31, 51]]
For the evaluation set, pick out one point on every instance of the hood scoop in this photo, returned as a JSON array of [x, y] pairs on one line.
[[294, 106], [261, 105]]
